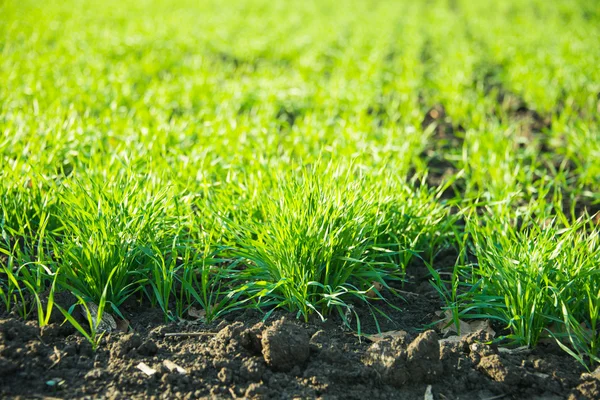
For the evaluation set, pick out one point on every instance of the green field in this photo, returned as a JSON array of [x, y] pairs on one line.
[[301, 155]]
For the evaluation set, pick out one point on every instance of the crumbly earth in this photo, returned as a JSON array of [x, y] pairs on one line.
[[244, 357]]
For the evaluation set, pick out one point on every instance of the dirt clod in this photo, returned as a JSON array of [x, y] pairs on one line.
[[389, 360], [318, 360], [493, 367], [423, 356], [284, 346]]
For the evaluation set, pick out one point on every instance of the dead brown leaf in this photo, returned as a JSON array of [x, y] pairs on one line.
[[384, 335], [107, 322], [562, 334], [193, 312], [448, 327]]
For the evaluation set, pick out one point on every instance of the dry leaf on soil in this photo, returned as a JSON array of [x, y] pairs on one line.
[[562, 333], [384, 335], [106, 323], [448, 327], [196, 313]]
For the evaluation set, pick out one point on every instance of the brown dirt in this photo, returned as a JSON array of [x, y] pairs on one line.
[[244, 357]]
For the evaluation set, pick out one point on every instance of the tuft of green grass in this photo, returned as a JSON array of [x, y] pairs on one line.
[[319, 242], [536, 280], [109, 231]]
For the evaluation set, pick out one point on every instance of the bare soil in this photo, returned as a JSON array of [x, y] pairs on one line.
[[282, 357]]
